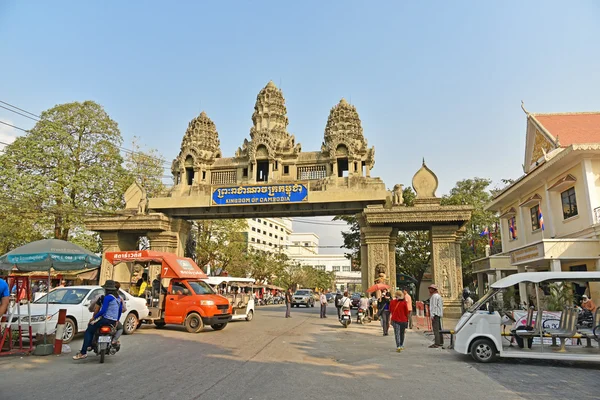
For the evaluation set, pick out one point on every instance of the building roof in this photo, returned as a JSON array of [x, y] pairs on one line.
[[571, 128]]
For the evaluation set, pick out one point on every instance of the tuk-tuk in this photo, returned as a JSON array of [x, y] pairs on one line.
[[238, 291], [179, 295], [479, 331]]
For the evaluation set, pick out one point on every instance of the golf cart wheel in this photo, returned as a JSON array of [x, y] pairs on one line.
[[193, 323], [483, 350], [131, 324], [70, 330], [250, 315]]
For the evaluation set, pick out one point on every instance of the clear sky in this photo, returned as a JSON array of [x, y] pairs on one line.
[[440, 80]]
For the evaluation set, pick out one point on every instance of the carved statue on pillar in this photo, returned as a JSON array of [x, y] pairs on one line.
[[397, 196], [143, 203]]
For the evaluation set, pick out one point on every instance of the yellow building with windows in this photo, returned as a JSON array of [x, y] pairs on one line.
[[550, 216]]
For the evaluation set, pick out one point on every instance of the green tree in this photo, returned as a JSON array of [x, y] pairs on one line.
[[222, 244], [351, 240], [66, 168], [475, 192], [145, 167], [413, 255]]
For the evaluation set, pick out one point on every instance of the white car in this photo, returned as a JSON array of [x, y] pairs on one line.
[[76, 300]]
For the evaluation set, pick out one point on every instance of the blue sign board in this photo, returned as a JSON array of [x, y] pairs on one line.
[[255, 195]]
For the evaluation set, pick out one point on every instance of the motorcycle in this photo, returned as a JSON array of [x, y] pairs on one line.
[[362, 317], [103, 342], [345, 317]]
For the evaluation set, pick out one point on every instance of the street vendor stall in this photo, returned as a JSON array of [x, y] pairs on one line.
[[43, 255]]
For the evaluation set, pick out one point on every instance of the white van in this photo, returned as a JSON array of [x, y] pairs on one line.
[[480, 331], [236, 291]]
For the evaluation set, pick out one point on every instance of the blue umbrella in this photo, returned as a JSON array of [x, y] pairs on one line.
[[49, 253]]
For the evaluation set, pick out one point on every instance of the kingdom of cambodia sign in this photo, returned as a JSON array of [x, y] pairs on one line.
[[255, 195]]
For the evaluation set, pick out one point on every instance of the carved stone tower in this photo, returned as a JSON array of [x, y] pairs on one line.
[[199, 149], [344, 142]]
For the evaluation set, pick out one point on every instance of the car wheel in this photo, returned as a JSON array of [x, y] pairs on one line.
[[159, 324], [483, 350], [193, 323], [131, 324], [218, 327], [70, 330], [250, 315], [313, 304]]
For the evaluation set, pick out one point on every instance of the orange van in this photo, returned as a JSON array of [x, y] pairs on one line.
[[184, 299]]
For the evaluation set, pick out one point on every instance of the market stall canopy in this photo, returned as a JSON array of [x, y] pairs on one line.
[[43, 255], [84, 274], [172, 265]]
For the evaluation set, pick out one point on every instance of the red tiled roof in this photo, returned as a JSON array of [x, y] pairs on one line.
[[572, 128]]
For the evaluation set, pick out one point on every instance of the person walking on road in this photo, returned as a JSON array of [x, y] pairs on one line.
[[383, 305], [323, 300], [408, 300], [288, 303], [338, 303], [399, 315], [436, 310]]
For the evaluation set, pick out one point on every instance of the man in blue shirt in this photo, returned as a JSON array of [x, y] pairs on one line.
[[4, 297], [109, 314]]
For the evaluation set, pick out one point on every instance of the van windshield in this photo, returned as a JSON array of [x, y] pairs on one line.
[[201, 287]]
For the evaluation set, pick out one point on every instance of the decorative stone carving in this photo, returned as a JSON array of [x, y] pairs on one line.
[[269, 129], [143, 203], [397, 195], [425, 183], [344, 132]]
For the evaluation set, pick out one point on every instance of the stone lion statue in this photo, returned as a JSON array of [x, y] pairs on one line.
[[397, 197]]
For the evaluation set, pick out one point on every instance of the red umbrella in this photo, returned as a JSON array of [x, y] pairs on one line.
[[377, 286]]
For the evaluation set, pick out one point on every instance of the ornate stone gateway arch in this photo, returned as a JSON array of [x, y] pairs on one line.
[[270, 176]]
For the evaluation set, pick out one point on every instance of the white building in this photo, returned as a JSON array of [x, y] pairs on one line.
[[304, 248], [269, 234]]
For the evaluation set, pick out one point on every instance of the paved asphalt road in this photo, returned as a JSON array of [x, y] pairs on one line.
[[275, 358]]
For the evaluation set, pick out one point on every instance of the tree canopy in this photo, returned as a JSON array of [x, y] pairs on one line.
[[66, 168]]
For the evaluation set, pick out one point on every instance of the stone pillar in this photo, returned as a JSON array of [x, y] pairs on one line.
[[116, 241], [121, 234], [335, 168], [392, 256], [445, 270], [364, 257], [377, 240], [555, 266]]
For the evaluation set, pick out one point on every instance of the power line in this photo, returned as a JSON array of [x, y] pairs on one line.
[[40, 119]]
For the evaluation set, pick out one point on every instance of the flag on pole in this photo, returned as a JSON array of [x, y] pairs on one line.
[[541, 219]]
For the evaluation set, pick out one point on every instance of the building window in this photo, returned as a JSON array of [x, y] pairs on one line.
[[264, 222], [569, 203], [286, 169], [258, 220], [346, 268], [305, 244], [320, 267], [270, 234], [264, 232], [270, 225], [535, 217], [254, 240], [276, 237], [336, 268], [512, 228], [264, 242], [253, 229], [245, 173]]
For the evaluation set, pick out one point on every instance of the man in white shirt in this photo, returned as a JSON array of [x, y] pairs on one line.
[[323, 300], [345, 301], [436, 311]]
